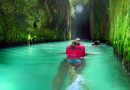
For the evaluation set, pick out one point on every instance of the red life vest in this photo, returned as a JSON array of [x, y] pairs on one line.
[[76, 52]]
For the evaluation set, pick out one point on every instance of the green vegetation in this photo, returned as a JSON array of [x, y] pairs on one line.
[[42, 19], [119, 34]]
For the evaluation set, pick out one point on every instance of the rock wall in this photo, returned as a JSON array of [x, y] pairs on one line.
[[110, 21], [99, 19], [34, 20]]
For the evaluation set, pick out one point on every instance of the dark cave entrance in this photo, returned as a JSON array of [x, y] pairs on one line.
[[80, 24]]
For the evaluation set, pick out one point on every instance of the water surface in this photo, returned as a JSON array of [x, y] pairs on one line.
[[40, 67]]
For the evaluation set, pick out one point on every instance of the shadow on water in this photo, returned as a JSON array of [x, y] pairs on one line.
[[60, 76], [67, 77]]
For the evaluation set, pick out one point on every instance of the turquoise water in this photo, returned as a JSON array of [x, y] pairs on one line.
[[40, 67]]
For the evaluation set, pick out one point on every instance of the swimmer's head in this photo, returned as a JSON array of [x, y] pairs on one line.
[[75, 43], [77, 39]]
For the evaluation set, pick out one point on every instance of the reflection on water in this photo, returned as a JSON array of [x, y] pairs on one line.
[[76, 79], [41, 67], [65, 71], [60, 76], [76, 84]]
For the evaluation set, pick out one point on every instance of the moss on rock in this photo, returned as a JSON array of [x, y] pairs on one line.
[[42, 19]]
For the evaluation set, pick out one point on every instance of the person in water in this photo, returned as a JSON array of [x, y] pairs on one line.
[[75, 53], [96, 43], [68, 68]]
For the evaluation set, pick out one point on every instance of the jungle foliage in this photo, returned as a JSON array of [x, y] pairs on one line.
[[119, 35], [43, 20]]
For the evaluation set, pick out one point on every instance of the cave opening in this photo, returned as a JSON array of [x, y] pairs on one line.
[[80, 23]]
